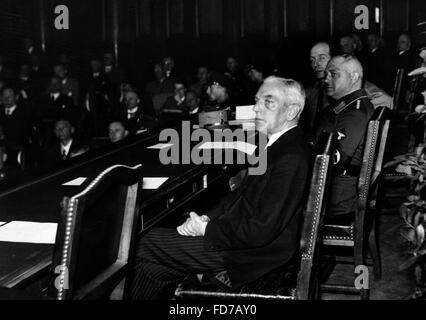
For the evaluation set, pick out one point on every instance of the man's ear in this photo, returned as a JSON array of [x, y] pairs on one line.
[[293, 112], [355, 77], [72, 130], [126, 133]]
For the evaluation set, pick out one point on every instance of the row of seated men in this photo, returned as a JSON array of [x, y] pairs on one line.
[[102, 98]]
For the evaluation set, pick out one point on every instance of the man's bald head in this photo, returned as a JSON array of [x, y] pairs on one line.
[[344, 75], [320, 56]]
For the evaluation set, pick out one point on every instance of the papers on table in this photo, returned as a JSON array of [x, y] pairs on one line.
[[141, 131], [161, 146], [2, 223], [153, 183], [245, 113], [28, 232], [238, 145], [76, 182]]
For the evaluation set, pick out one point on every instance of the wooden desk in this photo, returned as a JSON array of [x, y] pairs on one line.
[[21, 265]]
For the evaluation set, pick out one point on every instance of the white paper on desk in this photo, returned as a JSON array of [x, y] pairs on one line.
[[238, 145], [2, 223], [245, 113], [141, 131], [76, 182], [161, 146], [153, 183], [28, 232]]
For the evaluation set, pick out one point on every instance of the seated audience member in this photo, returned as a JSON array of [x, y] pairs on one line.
[[133, 115], [233, 70], [256, 74], [5, 72], [97, 99], [219, 92], [192, 104], [53, 106], [406, 59], [316, 97], [249, 233], [376, 66], [169, 67], [65, 148], [25, 84], [348, 114], [200, 87], [347, 45], [117, 131], [69, 86], [15, 122], [238, 80], [175, 105], [161, 84], [114, 74]]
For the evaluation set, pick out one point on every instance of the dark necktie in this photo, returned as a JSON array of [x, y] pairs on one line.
[[64, 154]]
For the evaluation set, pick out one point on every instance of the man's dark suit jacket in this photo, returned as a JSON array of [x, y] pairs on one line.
[[71, 88], [256, 227], [53, 160], [62, 107], [16, 129]]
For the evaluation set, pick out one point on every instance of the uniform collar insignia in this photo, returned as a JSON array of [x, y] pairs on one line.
[[346, 101]]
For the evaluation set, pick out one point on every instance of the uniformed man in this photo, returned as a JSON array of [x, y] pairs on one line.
[[348, 114], [316, 97]]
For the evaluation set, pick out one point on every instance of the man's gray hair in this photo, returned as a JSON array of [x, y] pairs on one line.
[[293, 91], [352, 64]]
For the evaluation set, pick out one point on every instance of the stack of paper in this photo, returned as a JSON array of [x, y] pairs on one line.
[[245, 113], [28, 232], [153, 183]]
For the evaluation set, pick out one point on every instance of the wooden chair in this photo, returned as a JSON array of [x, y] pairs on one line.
[[96, 235], [362, 232], [287, 289]]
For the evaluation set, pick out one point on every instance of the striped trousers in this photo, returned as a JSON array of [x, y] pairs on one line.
[[164, 258]]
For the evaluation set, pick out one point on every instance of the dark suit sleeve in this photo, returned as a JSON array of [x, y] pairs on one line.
[[264, 212]]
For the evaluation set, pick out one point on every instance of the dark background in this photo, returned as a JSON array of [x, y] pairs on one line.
[[195, 31]]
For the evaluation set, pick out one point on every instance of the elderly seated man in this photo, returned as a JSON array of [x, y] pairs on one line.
[[253, 230]]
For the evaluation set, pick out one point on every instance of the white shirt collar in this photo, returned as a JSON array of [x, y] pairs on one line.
[[30, 50], [194, 111], [277, 135], [401, 52], [374, 50], [11, 109], [55, 95], [108, 68], [132, 111], [66, 147], [96, 74]]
